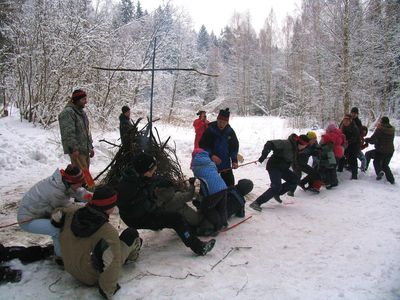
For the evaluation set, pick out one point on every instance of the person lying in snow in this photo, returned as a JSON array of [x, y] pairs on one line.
[[92, 250], [25, 255], [55, 191], [137, 207]]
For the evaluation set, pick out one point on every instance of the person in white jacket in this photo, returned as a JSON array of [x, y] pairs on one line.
[[34, 213]]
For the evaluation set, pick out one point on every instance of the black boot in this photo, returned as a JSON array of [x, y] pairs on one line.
[[9, 275]]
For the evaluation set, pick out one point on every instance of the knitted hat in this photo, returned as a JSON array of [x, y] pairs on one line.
[[331, 127], [384, 120], [224, 114], [104, 198], [143, 163], [347, 116], [77, 95], [354, 110], [303, 139], [311, 135], [200, 112], [125, 109], [244, 186], [73, 175]]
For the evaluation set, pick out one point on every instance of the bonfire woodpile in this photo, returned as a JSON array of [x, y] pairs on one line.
[[145, 140]]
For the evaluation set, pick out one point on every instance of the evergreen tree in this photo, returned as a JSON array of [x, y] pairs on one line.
[[127, 11]]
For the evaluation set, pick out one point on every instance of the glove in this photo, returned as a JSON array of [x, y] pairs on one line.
[[261, 159], [104, 294], [192, 180]]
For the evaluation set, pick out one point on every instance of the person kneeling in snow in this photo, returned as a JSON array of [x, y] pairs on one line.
[[212, 188], [92, 250], [55, 191], [138, 209]]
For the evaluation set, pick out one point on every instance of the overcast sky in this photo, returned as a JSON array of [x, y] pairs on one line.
[[216, 14]]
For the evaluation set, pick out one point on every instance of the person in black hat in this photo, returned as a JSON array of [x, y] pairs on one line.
[[352, 133], [220, 141], [138, 208], [284, 154], [92, 250], [382, 138], [125, 124]]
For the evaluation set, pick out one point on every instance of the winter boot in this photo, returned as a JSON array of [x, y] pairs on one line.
[[9, 275], [206, 247], [380, 175], [277, 198], [313, 190], [254, 205], [290, 193]]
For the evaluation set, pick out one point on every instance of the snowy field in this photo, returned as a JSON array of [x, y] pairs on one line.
[[341, 244]]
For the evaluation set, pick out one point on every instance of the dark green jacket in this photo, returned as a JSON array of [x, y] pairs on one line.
[[74, 128], [383, 138]]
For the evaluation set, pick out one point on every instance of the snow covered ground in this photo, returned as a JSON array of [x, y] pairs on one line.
[[341, 244]]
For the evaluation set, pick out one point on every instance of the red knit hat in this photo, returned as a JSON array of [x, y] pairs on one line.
[[73, 175], [77, 95], [224, 114], [104, 198]]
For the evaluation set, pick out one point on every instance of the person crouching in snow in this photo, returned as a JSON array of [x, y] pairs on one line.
[[55, 191], [284, 154], [92, 250], [212, 188]]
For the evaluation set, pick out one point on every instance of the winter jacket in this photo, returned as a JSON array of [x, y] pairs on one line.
[[124, 126], [352, 134], [222, 143], [44, 197], [169, 200], [74, 128], [199, 127], [358, 123], [204, 169], [383, 138], [82, 229], [284, 154], [338, 140], [135, 195]]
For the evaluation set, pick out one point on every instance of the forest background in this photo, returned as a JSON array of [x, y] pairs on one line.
[[312, 68]]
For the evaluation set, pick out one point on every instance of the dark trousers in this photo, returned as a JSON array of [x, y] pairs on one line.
[[368, 156], [277, 188], [312, 175], [213, 208], [351, 153], [228, 177], [381, 163], [160, 220]]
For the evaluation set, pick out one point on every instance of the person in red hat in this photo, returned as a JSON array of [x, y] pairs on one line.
[[76, 138], [92, 250], [200, 125], [55, 191], [220, 141]]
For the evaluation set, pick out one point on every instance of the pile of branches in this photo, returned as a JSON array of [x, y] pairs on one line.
[[143, 140]]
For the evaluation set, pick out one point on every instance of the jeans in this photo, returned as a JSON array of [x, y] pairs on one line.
[[44, 226], [277, 188]]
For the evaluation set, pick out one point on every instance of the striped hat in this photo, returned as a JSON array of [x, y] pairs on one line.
[[77, 95], [104, 198], [72, 175]]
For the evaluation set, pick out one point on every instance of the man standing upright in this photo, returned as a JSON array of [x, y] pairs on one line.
[[75, 133], [220, 141]]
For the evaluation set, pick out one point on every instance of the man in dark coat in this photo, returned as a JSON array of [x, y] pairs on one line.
[[284, 154], [384, 148], [125, 124], [352, 133], [220, 141], [138, 208]]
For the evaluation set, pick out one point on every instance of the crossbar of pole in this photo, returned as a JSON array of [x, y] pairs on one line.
[[156, 69]]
